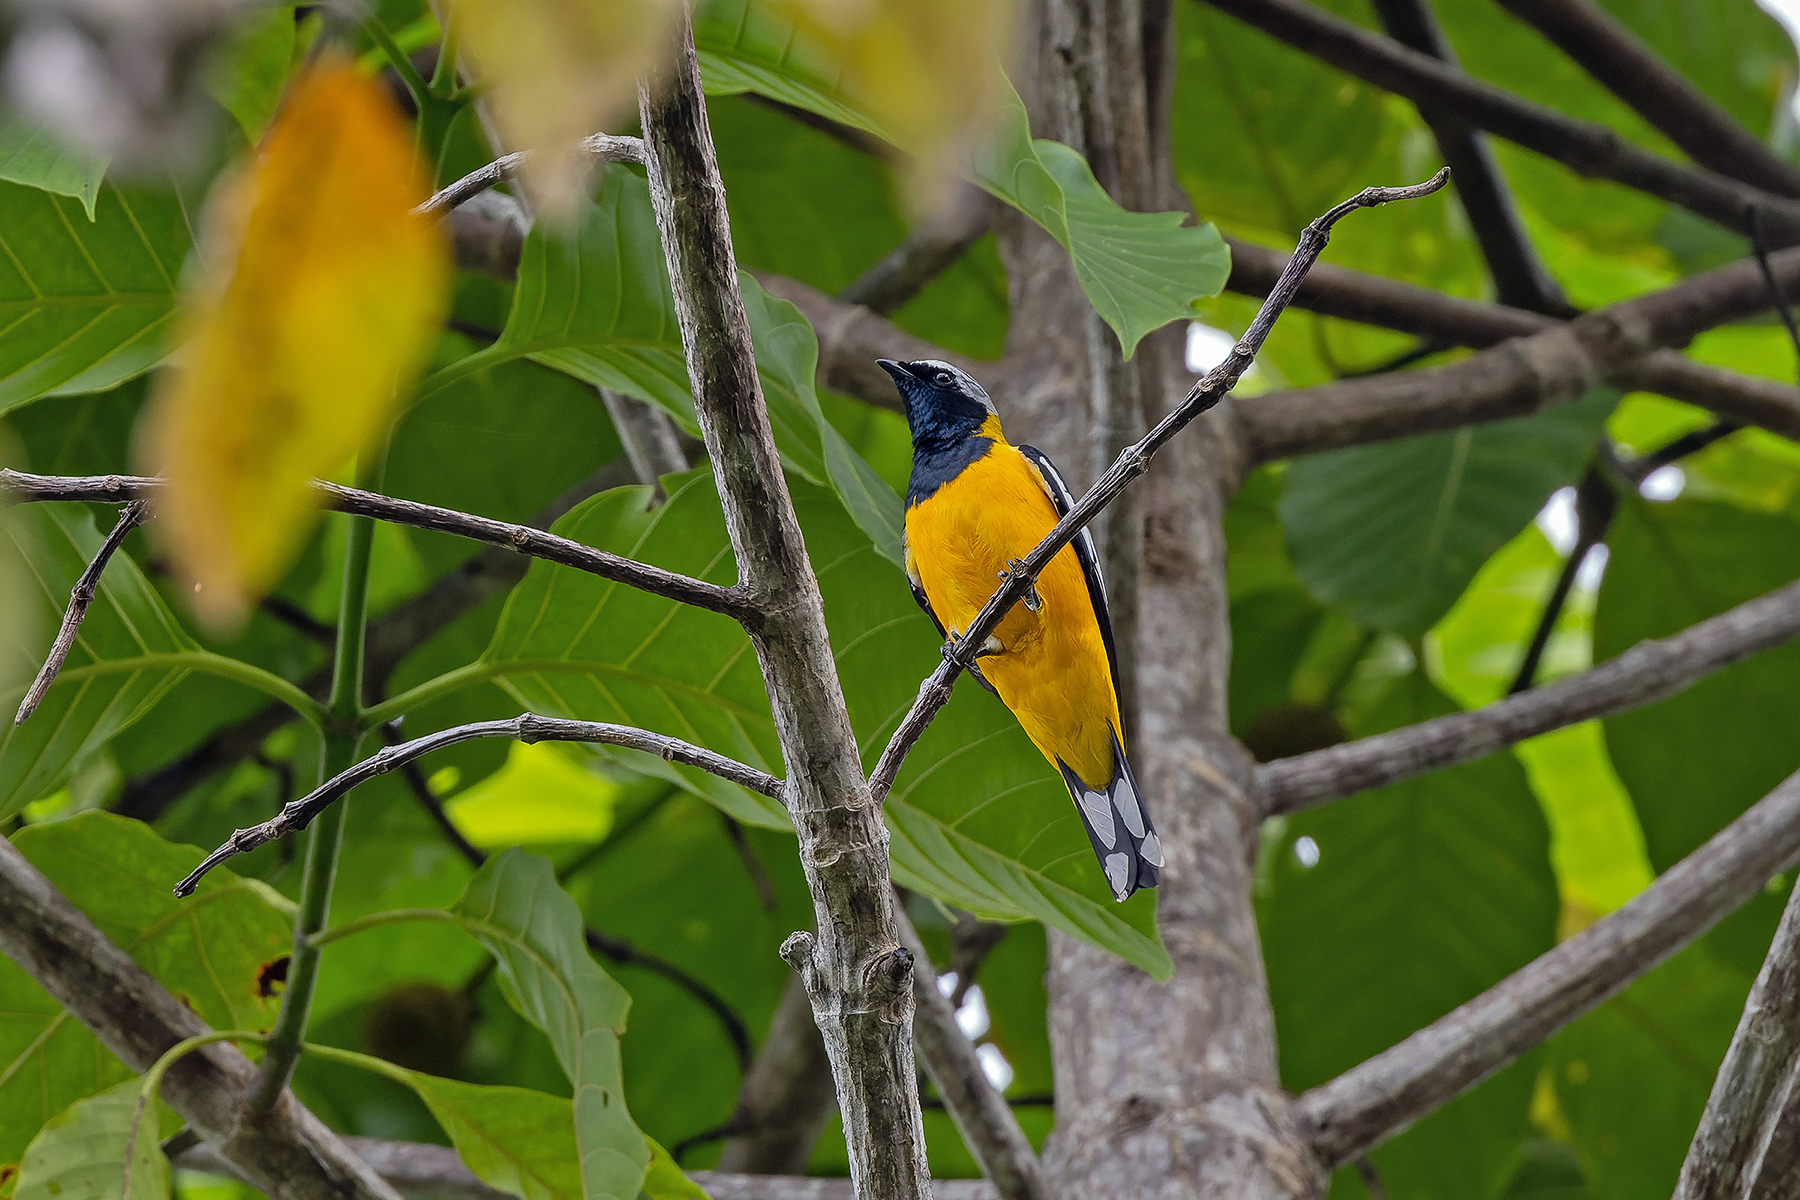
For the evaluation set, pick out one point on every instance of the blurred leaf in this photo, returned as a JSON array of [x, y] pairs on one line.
[[1424, 894], [211, 950], [666, 1181], [558, 70], [37, 158], [129, 653], [515, 909], [85, 305], [81, 1153], [1392, 533], [598, 307], [250, 70], [322, 296], [541, 797], [1596, 842]]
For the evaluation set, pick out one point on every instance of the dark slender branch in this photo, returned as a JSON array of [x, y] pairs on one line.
[[1376, 1099], [1594, 506], [298, 619], [971, 941], [602, 147], [1371, 1179], [987, 1124], [1603, 47], [721, 1186], [1688, 443], [759, 878], [413, 1169], [528, 727], [79, 599], [1585, 147], [622, 952], [1647, 672], [925, 253], [520, 538], [1745, 1145], [1519, 275], [1759, 248], [420, 787], [1133, 461]]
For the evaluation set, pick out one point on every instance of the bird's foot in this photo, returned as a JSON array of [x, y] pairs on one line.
[[1033, 601], [989, 647]]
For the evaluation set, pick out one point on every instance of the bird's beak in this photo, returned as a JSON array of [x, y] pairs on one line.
[[897, 370]]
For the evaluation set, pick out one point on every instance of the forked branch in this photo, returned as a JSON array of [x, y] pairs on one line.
[[528, 727], [1385, 1094], [1133, 461], [603, 147], [1647, 672]]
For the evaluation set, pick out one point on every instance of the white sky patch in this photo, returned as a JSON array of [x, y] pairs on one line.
[[972, 1017], [947, 984], [995, 1066], [1787, 15], [1592, 569], [1557, 520], [1664, 483], [1207, 347], [1306, 852]]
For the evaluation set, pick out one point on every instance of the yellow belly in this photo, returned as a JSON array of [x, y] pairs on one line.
[[1052, 670]]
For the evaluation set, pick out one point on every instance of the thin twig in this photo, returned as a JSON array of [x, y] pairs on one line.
[[602, 147], [622, 952], [1372, 1101], [79, 599], [527, 727], [1133, 461], [759, 878], [1594, 506], [523, 539], [1649, 671], [924, 254], [1759, 247]]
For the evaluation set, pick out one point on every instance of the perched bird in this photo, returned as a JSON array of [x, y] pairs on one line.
[[974, 506]]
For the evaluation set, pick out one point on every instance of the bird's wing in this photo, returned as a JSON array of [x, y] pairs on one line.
[[1058, 491], [918, 590]]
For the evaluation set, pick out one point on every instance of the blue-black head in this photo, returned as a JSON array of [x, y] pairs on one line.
[[944, 406]]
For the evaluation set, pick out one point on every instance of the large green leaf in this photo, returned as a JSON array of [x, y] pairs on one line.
[[129, 653], [516, 910], [84, 305], [597, 306], [1421, 895], [977, 817], [1392, 533], [210, 950], [37, 158], [81, 1153]]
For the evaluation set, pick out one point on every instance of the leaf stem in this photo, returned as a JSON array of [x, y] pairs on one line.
[[409, 75]]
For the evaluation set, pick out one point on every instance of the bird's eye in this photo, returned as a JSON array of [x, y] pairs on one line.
[[945, 379]]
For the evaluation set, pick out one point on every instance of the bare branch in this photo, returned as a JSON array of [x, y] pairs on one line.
[[925, 253], [787, 1095], [287, 1152], [528, 727], [1647, 672], [1632, 71], [721, 1186], [522, 539], [1746, 1140], [414, 1169], [987, 1124], [648, 436], [79, 598], [934, 693], [1585, 147], [601, 147], [1382, 1096]]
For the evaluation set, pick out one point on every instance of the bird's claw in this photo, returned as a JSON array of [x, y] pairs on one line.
[[1033, 601], [990, 647]]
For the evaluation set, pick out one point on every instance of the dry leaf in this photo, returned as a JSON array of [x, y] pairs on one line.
[[319, 298], [555, 71]]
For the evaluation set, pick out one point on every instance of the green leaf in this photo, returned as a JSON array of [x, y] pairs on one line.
[[210, 950], [119, 667], [745, 46], [84, 305], [515, 909], [597, 306], [1140, 271], [37, 158], [81, 1154], [666, 1181], [978, 819], [1423, 894], [251, 68], [1392, 533]]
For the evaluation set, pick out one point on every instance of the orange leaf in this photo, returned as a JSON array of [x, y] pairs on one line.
[[318, 301]]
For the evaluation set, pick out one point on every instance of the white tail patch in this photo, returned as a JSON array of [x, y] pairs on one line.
[[1099, 816], [1118, 873], [1152, 849]]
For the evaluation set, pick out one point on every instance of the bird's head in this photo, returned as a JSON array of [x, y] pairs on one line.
[[943, 405]]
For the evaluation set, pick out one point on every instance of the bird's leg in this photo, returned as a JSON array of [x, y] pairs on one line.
[[989, 648], [1033, 601]]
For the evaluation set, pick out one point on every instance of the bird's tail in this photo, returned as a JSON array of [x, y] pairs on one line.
[[1118, 825]]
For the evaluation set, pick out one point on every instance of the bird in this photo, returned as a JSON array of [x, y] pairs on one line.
[[975, 504]]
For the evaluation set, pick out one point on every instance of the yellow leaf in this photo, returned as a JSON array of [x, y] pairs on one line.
[[555, 71], [318, 299]]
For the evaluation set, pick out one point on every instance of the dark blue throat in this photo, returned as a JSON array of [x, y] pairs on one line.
[[946, 437]]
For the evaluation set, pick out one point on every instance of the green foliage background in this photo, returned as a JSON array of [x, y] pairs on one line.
[[1370, 588]]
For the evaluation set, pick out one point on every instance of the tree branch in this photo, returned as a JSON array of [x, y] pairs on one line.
[[1649, 671], [1384, 1095], [934, 693], [987, 1124], [1585, 147], [1745, 1145], [855, 972], [286, 1152], [520, 538], [79, 598], [413, 1169], [601, 147], [924, 254], [528, 728], [787, 1095], [1603, 47]]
